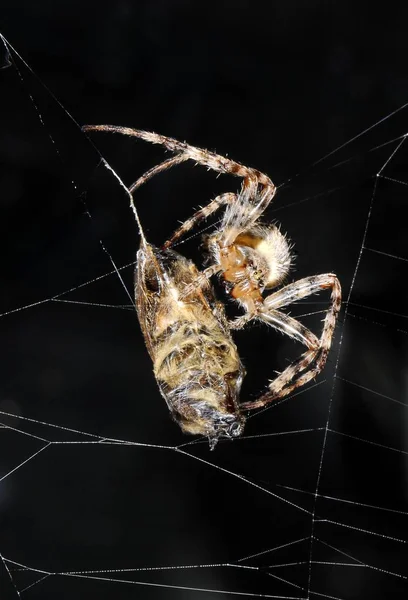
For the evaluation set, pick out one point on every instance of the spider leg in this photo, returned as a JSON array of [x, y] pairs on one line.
[[257, 189], [302, 289], [240, 322], [291, 327], [201, 214], [206, 158], [166, 164], [199, 281], [229, 199], [281, 322], [243, 214], [309, 365]]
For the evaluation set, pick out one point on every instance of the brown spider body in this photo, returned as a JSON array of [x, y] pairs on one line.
[[195, 360], [258, 259]]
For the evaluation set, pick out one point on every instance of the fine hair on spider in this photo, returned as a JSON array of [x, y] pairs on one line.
[[188, 336]]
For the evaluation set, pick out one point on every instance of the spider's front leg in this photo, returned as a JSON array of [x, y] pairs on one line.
[[203, 213], [310, 364]]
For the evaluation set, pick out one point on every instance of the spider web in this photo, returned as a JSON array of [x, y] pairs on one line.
[[101, 495]]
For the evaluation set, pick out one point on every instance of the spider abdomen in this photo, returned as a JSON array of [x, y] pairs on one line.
[[269, 251]]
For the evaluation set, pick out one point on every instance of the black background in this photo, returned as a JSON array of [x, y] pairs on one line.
[[274, 85]]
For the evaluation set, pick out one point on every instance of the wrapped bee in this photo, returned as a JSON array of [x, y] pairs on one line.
[[195, 360], [187, 334]]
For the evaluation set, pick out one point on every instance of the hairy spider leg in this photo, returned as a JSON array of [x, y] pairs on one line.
[[251, 202], [202, 213], [166, 164], [310, 364]]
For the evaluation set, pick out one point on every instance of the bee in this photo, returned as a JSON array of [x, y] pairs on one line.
[[188, 336], [195, 361]]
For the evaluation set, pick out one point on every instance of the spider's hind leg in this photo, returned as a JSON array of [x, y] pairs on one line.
[[310, 364]]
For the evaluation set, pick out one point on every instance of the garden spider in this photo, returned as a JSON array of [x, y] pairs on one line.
[[187, 334]]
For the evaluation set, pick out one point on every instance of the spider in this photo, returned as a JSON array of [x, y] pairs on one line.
[[188, 336]]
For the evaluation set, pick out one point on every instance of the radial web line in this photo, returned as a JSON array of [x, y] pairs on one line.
[[145, 583], [359, 439], [25, 461], [377, 323], [363, 387], [343, 500], [55, 147], [272, 549], [361, 530], [242, 478], [361, 563]]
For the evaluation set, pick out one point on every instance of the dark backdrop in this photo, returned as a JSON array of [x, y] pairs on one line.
[[276, 85]]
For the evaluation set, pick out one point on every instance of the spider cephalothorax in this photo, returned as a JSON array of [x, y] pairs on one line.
[[258, 259]]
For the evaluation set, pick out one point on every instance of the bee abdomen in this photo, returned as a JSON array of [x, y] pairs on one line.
[[185, 352]]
